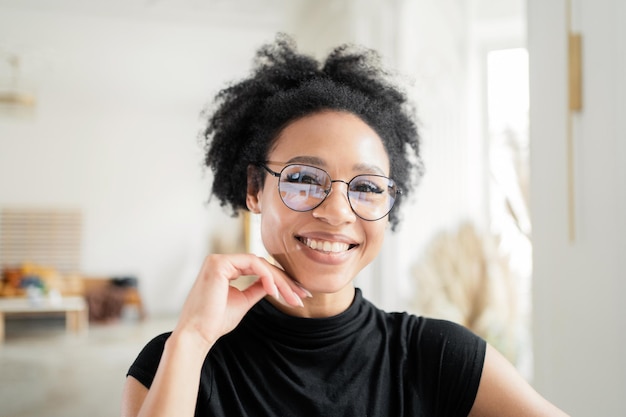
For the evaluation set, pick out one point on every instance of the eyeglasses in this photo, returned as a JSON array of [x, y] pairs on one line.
[[305, 187]]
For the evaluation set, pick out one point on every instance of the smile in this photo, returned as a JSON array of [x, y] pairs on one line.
[[325, 245]]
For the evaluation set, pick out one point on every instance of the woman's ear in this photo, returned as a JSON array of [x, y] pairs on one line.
[[253, 191]]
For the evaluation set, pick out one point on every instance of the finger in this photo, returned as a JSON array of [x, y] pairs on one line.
[[299, 289], [273, 280], [254, 293], [289, 292], [295, 285], [280, 285]]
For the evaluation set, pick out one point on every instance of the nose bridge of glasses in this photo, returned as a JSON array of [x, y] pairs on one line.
[[343, 182], [331, 187]]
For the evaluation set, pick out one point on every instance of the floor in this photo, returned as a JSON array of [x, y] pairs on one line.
[[46, 372]]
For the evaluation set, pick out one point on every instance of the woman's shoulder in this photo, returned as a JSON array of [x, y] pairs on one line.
[[156, 345], [427, 332], [145, 365]]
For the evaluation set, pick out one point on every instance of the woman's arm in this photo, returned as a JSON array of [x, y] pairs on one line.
[[503, 392], [174, 390], [133, 396], [212, 309]]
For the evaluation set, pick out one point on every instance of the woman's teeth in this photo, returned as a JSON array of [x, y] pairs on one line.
[[326, 246]]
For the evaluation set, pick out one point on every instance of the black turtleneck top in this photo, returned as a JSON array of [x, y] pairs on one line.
[[362, 362]]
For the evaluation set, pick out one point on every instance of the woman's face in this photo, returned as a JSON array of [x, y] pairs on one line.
[[344, 146]]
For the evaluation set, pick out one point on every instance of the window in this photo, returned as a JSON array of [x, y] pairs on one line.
[[508, 183]]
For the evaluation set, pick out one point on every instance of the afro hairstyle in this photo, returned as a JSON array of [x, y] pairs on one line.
[[286, 85]]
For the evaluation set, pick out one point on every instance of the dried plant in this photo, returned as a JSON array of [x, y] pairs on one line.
[[463, 278]]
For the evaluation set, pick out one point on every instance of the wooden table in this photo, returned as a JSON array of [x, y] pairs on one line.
[[74, 308]]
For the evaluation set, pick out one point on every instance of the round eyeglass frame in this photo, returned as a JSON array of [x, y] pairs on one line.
[[279, 174]]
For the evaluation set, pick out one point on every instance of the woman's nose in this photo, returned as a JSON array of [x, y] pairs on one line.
[[336, 208]]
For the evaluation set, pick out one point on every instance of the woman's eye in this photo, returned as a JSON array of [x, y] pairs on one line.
[[310, 179], [303, 178], [367, 187]]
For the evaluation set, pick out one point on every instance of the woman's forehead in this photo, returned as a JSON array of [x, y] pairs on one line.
[[328, 138]]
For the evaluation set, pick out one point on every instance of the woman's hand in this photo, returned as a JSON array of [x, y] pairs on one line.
[[214, 307]]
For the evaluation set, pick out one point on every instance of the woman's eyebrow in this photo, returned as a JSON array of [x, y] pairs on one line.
[[319, 162], [363, 167], [312, 160]]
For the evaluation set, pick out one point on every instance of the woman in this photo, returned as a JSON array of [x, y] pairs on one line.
[[323, 154]]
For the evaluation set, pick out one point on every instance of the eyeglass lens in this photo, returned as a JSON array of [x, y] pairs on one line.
[[304, 187]]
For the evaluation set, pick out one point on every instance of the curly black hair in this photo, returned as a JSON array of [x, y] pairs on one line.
[[286, 85]]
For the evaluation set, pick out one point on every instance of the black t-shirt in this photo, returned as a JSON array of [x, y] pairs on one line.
[[362, 362]]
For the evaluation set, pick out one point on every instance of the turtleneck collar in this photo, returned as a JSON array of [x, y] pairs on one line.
[[310, 332]]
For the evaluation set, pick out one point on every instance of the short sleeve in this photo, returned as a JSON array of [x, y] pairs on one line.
[[450, 363], [145, 366]]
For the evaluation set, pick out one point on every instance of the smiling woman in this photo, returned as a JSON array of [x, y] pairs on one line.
[[320, 151]]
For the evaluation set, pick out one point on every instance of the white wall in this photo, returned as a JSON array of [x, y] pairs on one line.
[[579, 326], [115, 133], [432, 53]]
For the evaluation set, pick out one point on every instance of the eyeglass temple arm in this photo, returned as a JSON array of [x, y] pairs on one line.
[[265, 167]]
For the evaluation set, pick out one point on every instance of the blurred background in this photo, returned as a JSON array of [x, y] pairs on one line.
[[516, 230]]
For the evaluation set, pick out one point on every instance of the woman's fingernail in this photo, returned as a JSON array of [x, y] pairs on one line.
[[284, 302], [306, 292], [276, 293], [300, 303]]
